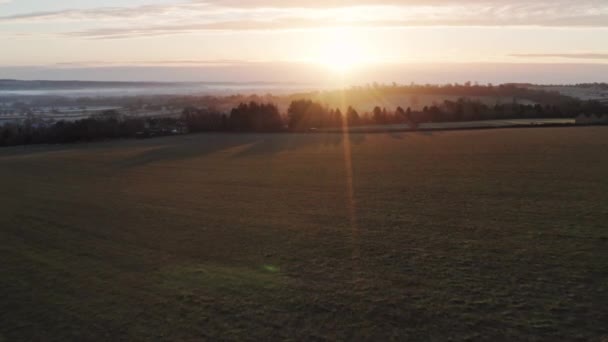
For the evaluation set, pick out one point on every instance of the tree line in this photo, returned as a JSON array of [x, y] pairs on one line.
[[302, 115]]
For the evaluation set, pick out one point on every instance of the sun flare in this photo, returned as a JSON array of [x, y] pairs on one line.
[[341, 57], [342, 51]]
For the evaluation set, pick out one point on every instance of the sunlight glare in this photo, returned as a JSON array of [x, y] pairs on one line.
[[342, 51]]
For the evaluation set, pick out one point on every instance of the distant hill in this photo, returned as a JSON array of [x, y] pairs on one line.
[[8, 84], [584, 91]]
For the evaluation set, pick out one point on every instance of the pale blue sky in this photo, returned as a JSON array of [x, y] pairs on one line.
[[339, 35]]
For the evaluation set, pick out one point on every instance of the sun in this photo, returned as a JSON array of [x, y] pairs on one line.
[[342, 51], [341, 57]]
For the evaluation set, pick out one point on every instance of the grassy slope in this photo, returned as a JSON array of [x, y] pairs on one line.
[[484, 234]]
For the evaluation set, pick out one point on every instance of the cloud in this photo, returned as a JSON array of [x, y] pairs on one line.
[[346, 3], [265, 15], [164, 63], [563, 55], [283, 24], [88, 14]]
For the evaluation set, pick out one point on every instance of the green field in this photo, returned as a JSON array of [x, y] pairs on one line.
[[493, 235]]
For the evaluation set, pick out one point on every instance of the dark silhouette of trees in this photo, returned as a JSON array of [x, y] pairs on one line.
[[255, 117], [352, 117], [378, 116], [405, 116], [400, 115], [204, 120], [253, 114], [304, 115], [339, 118]]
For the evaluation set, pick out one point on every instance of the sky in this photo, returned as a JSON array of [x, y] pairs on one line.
[[541, 41]]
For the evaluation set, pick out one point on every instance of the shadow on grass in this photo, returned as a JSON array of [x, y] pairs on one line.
[[396, 135], [26, 150], [188, 147], [196, 146], [274, 144]]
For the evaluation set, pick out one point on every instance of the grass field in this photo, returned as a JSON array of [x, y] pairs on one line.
[[493, 235]]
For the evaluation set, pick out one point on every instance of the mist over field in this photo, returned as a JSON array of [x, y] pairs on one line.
[[309, 76]]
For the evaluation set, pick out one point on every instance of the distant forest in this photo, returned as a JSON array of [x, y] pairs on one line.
[[306, 115]]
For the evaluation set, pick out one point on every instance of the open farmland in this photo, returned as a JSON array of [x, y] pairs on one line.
[[499, 234]]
